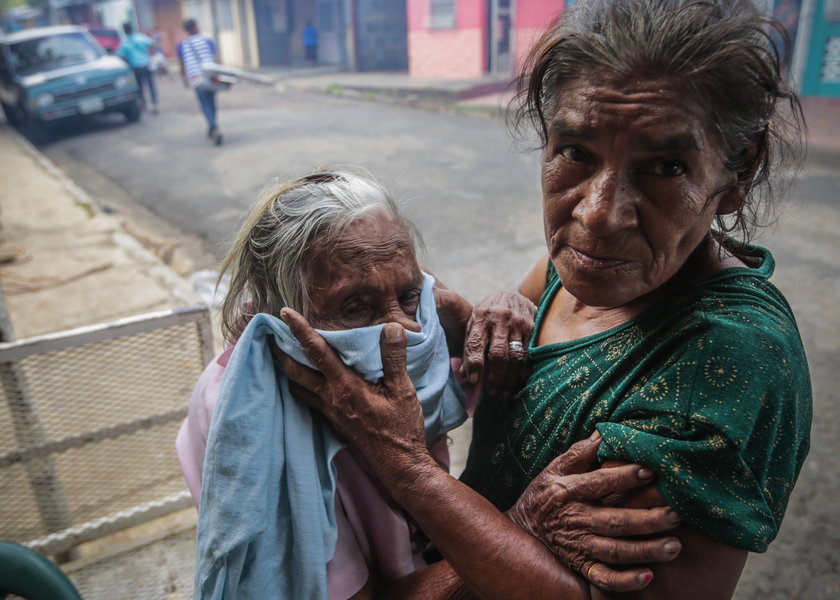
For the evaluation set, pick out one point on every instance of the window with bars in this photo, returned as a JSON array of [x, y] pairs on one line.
[[441, 14]]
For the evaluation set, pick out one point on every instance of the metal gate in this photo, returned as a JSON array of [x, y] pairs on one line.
[[88, 420]]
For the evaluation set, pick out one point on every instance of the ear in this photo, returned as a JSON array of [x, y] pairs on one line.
[[733, 199]]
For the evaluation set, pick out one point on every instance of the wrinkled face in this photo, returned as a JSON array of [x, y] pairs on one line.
[[366, 276], [627, 173]]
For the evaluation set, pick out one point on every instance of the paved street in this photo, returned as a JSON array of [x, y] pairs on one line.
[[476, 200], [459, 175]]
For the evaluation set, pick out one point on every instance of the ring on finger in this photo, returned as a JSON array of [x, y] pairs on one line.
[[589, 570], [516, 346]]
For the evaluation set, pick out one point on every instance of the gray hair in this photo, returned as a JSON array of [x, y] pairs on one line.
[[726, 52], [269, 259]]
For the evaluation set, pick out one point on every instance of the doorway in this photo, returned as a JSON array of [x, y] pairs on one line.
[[274, 31], [500, 15]]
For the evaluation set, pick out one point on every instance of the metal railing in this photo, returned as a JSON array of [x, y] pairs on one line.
[[88, 419]]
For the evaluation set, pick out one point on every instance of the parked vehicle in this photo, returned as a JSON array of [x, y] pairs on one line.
[[108, 37], [52, 74]]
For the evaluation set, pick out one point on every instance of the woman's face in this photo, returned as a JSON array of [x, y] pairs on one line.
[[627, 172], [366, 276]]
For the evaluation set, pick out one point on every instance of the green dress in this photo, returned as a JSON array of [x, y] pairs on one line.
[[710, 388]]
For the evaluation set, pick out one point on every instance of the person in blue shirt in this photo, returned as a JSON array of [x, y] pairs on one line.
[[310, 43], [134, 49]]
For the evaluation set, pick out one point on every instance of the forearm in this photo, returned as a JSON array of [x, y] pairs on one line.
[[493, 556], [704, 570], [435, 582]]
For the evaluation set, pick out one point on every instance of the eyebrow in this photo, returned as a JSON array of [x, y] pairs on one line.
[[362, 287], [677, 141], [565, 128]]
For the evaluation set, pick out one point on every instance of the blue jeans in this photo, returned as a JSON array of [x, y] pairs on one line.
[[146, 81], [207, 101]]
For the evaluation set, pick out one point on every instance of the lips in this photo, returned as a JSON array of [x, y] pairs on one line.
[[594, 262]]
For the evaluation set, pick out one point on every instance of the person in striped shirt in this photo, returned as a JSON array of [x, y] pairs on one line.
[[193, 52]]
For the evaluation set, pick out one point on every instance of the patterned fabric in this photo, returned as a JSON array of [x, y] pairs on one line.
[[196, 51], [710, 389]]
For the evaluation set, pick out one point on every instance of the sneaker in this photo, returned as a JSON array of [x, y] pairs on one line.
[[210, 132], [154, 110], [217, 137]]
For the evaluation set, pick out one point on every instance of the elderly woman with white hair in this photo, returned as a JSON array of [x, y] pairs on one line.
[[285, 509]]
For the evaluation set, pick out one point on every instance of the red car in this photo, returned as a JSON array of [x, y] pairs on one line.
[[107, 37]]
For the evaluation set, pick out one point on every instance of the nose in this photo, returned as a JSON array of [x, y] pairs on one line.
[[608, 204], [396, 314]]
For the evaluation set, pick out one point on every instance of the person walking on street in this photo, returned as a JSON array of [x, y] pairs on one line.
[[310, 43], [134, 49], [194, 52]]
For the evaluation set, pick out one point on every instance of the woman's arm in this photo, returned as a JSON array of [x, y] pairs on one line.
[[702, 569], [493, 556], [483, 333], [499, 319]]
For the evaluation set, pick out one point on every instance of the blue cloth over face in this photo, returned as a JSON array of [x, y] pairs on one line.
[[267, 527]]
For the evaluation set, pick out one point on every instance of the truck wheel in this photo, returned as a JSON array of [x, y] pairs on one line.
[[34, 129], [132, 112]]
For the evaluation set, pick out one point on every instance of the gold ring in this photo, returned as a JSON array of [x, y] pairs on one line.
[[589, 570]]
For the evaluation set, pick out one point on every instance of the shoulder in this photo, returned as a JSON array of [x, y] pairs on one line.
[[744, 315], [736, 306], [734, 335], [534, 283], [206, 391]]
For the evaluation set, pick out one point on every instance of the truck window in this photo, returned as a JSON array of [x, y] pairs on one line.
[[52, 52]]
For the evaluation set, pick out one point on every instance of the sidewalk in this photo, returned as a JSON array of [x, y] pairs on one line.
[[485, 97], [63, 262]]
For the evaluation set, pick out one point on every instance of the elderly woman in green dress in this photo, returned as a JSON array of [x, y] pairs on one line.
[[664, 125]]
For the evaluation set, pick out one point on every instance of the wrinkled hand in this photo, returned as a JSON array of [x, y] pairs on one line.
[[501, 318], [562, 507], [384, 421]]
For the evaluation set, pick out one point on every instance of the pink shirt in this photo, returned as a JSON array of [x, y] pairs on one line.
[[373, 531]]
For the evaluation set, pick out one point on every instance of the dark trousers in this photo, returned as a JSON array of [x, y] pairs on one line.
[[146, 81]]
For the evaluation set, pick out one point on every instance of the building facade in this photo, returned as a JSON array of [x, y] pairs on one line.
[[466, 39], [359, 35], [439, 39], [817, 45]]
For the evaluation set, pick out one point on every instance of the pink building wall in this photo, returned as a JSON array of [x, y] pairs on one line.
[[457, 53], [531, 19], [461, 52]]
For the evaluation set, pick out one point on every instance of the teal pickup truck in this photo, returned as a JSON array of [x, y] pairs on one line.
[[52, 74]]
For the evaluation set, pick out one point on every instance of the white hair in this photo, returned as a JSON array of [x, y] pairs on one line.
[[269, 259]]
